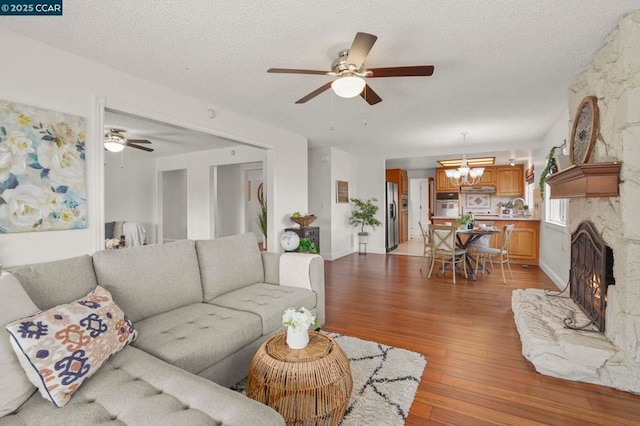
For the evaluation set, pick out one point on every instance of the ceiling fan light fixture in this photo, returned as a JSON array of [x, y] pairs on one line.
[[114, 141], [348, 87]]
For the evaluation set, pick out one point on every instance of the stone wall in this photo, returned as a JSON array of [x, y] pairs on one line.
[[614, 78]]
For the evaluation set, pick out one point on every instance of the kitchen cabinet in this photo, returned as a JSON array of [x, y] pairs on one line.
[[488, 178], [443, 184], [399, 177], [510, 181], [525, 240]]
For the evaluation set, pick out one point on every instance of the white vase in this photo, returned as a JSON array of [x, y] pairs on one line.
[[297, 339]]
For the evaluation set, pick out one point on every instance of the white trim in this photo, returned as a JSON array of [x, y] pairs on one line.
[[559, 282], [99, 205], [555, 226]]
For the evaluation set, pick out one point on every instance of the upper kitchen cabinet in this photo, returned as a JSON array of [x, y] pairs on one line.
[[509, 181], [488, 178], [443, 183]]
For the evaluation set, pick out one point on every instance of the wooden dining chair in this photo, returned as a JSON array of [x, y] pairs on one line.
[[425, 230], [499, 254], [445, 251]]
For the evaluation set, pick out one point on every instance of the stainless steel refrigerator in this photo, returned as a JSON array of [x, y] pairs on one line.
[[392, 216]]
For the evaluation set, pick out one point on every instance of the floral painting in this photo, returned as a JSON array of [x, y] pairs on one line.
[[42, 170]]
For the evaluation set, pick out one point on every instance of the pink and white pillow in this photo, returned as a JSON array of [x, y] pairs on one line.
[[62, 347]]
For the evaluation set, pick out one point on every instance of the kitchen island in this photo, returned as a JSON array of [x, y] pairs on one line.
[[525, 239]]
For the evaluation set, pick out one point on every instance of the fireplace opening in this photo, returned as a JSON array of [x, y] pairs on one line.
[[590, 275]]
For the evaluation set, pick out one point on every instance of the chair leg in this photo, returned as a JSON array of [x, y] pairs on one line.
[[453, 268], [504, 280], [433, 261], [464, 265], [422, 264], [478, 256], [509, 266]]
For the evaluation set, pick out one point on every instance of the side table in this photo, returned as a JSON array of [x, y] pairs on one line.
[[309, 386]]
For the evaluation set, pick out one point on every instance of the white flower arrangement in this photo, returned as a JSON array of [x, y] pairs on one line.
[[299, 319]]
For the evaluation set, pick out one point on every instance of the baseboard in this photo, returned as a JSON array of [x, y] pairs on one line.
[[559, 282]]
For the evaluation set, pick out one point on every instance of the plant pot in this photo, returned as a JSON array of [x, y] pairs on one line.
[[297, 339], [363, 237]]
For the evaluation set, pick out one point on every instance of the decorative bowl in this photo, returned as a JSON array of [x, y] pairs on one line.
[[303, 221]]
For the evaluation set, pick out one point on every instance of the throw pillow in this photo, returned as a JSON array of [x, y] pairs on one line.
[[62, 347], [14, 303]]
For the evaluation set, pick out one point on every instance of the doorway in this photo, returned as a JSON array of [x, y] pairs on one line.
[[174, 205]]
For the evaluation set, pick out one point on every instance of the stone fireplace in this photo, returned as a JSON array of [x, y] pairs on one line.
[[611, 358]]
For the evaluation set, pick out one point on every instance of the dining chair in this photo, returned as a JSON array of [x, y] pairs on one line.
[[444, 249], [500, 254], [425, 230]]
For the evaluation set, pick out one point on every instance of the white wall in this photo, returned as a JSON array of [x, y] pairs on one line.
[[555, 247], [370, 183], [174, 205], [201, 204], [230, 191], [81, 87], [326, 166]]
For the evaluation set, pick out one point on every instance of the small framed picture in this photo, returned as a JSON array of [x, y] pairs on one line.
[[342, 191]]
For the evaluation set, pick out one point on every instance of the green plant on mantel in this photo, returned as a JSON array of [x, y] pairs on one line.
[[547, 169]]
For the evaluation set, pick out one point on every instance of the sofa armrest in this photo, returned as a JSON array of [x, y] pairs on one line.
[[271, 262]]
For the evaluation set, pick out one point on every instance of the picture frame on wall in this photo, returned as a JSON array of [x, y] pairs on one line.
[[342, 191]]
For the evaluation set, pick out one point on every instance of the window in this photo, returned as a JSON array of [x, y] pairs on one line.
[[556, 209]]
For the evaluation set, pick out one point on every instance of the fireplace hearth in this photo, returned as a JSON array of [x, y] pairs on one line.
[[590, 275]]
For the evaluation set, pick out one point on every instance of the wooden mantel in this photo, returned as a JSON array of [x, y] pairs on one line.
[[586, 180]]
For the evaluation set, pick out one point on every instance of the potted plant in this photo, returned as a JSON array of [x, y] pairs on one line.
[[363, 215], [261, 220], [508, 208], [465, 220], [307, 246]]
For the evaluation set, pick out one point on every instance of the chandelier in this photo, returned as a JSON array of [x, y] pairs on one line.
[[464, 175]]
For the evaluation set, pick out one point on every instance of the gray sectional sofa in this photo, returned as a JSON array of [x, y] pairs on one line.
[[201, 310]]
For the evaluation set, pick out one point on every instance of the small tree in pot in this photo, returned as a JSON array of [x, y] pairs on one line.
[[363, 215]]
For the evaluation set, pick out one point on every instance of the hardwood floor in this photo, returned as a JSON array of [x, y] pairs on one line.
[[475, 374]]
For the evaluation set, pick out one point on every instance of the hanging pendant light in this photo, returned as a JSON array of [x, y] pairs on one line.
[[464, 175]]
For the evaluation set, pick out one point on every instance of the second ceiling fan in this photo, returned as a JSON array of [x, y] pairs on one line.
[[350, 70]]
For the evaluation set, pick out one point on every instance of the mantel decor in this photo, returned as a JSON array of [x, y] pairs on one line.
[[586, 180]]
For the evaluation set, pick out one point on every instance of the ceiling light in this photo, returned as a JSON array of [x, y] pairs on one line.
[[464, 175], [114, 141], [476, 161], [348, 87], [512, 162]]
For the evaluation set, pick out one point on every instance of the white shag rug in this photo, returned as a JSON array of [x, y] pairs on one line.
[[385, 380]]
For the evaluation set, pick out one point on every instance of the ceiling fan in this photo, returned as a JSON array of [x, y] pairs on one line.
[[115, 141], [350, 70]]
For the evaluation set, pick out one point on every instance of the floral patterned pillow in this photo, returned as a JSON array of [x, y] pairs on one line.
[[62, 347]]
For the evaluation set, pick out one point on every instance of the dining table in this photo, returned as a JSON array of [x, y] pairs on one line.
[[472, 235]]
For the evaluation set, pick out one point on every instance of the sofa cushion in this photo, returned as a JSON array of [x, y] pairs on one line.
[[268, 301], [54, 283], [229, 263], [135, 388], [195, 337], [14, 303], [150, 280], [61, 347]]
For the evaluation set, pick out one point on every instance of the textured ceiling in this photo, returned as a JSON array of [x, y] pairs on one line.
[[502, 68]]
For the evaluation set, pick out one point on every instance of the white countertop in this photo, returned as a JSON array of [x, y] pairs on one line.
[[496, 217]]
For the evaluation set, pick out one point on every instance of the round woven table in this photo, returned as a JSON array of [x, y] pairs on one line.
[[309, 386]]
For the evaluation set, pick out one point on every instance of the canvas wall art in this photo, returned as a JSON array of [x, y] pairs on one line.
[[42, 170]]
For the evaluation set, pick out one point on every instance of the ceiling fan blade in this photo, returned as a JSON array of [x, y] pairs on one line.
[[295, 71], [370, 96], [138, 140], [314, 93], [362, 44], [144, 148], [416, 71]]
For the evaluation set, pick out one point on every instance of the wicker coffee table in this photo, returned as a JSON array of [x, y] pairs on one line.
[[309, 386]]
